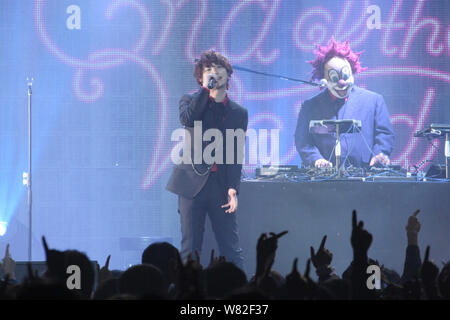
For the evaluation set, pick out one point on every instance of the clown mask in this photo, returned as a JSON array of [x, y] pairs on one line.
[[338, 73]]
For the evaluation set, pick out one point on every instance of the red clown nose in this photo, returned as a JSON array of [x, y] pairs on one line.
[[342, 83]]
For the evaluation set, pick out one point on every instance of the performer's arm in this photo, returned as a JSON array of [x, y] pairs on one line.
[[413, 261], [234, 170], [192, 107], [303, 140], [384, 134]]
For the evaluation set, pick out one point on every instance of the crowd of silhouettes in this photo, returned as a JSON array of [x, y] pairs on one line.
[[162, 275]]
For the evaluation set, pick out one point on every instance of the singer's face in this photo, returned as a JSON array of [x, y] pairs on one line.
[[219, 73], [338, 73]]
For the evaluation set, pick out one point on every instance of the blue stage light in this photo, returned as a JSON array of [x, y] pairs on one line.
[[3, 225]]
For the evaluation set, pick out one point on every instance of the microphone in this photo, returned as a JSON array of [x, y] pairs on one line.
[[323, 83], [211, 83]]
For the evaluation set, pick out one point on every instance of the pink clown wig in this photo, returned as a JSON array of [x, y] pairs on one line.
[[334, 49]]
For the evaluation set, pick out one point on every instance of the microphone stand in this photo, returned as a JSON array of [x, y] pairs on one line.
[[28, 174], [278, 76], [447, 155], [337, 151]]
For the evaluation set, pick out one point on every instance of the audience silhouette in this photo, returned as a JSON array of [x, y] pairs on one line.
[[164, 276]]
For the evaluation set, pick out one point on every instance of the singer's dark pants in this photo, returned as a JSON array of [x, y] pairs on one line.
[[193, 214]]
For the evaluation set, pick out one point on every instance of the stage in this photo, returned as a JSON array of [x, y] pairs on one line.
[[96, 131], [309, 210]]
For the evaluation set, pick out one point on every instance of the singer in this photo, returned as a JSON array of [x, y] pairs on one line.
[[335, 64], [204, 189]]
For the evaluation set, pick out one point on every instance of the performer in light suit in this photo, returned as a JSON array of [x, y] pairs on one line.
[[337, 63]]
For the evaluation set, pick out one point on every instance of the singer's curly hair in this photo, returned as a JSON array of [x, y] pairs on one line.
[[334, 49], [207, 58]]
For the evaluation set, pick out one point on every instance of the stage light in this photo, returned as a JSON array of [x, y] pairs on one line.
[[2, 228]]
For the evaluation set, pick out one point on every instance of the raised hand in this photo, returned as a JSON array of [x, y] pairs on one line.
[[104, 273], [213, 260], [298, 286], [322, 260], [429, 270], [413, 228], [55, 262], [8, 265], [308, 269], [361, 239], [413, 225], [294, 275], [444, 281], [323, 257], [193, 264], [190, 279], [265, 252]]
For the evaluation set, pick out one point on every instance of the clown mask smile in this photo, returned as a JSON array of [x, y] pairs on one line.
[[338, 73]]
